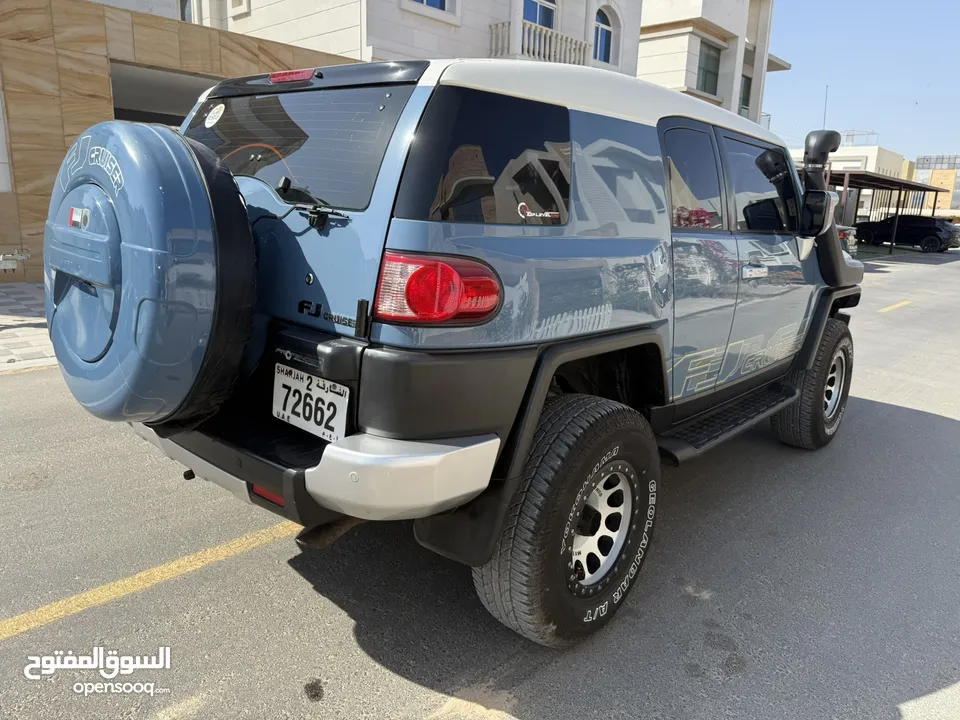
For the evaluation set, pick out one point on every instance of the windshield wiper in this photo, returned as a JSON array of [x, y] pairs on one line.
[[317, 209], [299, 198]]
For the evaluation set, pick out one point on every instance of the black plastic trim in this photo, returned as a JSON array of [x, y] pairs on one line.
[[336, 76], [421, 395], [469, 533], [706, 403], [829, 301], [677, 449], [287, 482]]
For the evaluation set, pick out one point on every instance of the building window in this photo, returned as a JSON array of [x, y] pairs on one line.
[[540, 12], [602, 37], [746, 85], [708, 70], [438, 4]]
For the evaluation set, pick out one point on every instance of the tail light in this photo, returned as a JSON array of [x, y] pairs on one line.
[[291, 75], [422, 289]]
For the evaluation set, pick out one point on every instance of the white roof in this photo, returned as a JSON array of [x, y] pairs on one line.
[[588, 89]]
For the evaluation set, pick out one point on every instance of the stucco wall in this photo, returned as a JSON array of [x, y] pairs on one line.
[[333, 26]]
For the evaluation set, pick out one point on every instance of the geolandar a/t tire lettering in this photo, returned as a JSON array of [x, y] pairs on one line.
[[581, 523]]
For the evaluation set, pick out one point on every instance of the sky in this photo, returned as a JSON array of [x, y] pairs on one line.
[[890, 66]]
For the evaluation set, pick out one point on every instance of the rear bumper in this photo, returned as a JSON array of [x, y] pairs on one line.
[[362, 475]]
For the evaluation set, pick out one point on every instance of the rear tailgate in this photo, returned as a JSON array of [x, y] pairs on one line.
[[333, 134]]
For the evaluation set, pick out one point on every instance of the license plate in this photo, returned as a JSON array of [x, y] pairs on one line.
[[310, 403]]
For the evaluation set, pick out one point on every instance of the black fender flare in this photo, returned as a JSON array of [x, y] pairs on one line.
[[829, 302], [469, 533]]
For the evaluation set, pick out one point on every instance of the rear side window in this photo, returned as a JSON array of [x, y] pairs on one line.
[[331, 142], [763, 188], [480, 157], [694, 179]]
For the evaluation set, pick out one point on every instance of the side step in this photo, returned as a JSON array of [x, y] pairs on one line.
[[701, 434]]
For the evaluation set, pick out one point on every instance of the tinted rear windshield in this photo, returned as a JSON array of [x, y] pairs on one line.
[[481, 157], [331, 142]]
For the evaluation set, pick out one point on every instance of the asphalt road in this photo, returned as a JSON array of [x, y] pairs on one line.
[[782, 584]]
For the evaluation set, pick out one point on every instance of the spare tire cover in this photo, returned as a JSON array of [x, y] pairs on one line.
[[149, 271]]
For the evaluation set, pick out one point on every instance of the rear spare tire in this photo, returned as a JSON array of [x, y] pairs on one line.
[[150, 272]]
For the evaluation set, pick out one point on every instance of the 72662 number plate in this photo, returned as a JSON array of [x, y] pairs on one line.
[[310, 403]]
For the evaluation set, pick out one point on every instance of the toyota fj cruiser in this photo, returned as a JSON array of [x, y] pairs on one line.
[[487, 296]]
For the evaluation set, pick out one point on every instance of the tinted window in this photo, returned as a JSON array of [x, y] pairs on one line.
[[694, 179], [618, 170], [330, 141], [487, 158], [764, 193]]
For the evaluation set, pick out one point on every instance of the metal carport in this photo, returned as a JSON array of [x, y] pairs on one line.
[[910, 195]]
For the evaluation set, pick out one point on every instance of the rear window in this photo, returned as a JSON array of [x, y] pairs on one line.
[[480, 157], [331, 142]]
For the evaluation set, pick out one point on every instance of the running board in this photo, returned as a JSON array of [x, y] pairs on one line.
[[699, 435]]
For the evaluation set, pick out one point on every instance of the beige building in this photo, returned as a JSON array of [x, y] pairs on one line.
[[872, 158], [602, 33], [68, 64], [942, 171], [717, 50]]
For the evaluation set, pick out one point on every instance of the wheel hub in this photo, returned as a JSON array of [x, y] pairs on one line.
[[602, 529], [833, 388]]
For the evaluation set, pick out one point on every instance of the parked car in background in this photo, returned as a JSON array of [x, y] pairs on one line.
[[930, 234], [955, 236], [848, 238]]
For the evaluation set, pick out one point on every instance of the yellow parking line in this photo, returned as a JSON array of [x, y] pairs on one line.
[[901, 304], [141, 581]]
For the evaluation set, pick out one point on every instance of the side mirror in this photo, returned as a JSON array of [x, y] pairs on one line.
[[816, 217]]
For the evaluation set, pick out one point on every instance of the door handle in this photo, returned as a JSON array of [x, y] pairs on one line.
[[754, 271]]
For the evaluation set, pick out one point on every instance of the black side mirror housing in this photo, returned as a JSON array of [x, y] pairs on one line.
[[817, 213]]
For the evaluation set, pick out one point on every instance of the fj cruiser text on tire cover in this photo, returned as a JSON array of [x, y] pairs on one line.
[[487, 296]]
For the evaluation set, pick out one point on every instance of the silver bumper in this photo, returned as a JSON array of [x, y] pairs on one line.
[[375, 478]]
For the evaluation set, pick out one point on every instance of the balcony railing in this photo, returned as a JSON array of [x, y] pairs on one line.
[[764, 120], [539, 43]]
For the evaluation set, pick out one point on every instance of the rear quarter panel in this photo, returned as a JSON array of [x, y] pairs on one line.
[[608, 268]]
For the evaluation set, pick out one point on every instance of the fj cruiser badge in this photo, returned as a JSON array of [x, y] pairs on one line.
[[308, 308], [316, 310]]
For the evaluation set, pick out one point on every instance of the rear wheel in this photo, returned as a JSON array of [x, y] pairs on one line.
[[813, 420], [580, 524], [867, 237], [930, 244]]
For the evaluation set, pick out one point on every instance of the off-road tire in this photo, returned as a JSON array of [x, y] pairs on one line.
[[804, 424], [930, 244], [527, 584]]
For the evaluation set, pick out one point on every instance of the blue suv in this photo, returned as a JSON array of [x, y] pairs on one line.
[[485, 296]]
